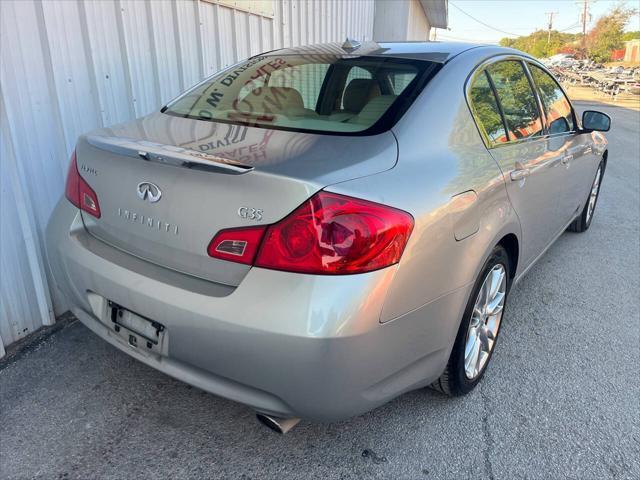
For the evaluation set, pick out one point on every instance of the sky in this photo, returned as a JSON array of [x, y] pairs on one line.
[[520, 17]]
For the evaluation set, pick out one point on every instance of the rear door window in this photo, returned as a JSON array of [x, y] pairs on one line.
[[517, 99], [486, 111], [556, 104]]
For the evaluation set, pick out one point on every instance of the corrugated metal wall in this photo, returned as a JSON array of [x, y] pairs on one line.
[[67, 67]]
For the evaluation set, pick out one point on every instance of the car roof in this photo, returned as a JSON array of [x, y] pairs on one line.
[[439, 52]]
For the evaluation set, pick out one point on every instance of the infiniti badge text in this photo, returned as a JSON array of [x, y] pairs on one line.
[[150, 222]]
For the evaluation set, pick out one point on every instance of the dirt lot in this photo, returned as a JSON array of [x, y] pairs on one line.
[[588, 94]]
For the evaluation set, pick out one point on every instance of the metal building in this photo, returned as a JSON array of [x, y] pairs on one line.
[[67, 67], [632, 51]]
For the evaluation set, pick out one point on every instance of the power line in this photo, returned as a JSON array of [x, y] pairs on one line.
[[575, 25], [483, 23]]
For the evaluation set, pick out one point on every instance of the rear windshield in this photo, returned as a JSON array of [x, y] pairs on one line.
[[312, 93]]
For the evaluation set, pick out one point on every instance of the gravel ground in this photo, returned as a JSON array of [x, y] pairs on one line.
[[561, 398]]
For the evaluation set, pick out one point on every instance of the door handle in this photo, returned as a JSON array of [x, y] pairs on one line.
[[566, 158], [520, 174]]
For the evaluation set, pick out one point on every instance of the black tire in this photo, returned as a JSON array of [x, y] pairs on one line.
[[453, 380], [583, 221]]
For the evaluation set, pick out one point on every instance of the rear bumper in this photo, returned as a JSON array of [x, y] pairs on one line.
[[285, 344]]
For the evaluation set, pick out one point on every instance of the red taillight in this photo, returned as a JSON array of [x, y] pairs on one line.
[[328, 234], [79, 192], [236, 244]]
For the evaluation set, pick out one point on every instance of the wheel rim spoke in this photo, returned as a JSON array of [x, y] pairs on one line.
[[473, 336], [493, 324], [495, 305], [496, 279], [471, 362]]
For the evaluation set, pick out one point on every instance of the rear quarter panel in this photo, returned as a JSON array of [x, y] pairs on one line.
[[441, 155]]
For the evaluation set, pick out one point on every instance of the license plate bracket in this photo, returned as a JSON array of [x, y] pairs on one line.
[[136, 329]]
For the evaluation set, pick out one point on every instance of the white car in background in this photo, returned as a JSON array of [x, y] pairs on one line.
[[559, 60]]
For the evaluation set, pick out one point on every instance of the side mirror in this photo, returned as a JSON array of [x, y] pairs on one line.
[[559, 125], [598, 121]]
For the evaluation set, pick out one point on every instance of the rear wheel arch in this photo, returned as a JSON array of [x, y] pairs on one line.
[[510, 243]]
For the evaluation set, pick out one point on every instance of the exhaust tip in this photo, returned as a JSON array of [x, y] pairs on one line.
[[277, 424]]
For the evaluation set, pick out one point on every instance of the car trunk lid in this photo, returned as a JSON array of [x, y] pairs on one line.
[[167, 185]]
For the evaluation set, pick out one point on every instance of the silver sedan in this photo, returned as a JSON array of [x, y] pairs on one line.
[[316, 230]]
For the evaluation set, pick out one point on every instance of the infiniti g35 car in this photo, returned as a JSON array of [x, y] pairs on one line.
[[316, 230]]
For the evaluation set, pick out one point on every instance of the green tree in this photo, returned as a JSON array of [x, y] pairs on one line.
[[540, 43], [608, 33], [630, 36]]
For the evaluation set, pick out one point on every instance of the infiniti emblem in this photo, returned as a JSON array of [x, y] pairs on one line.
[[149, 191]]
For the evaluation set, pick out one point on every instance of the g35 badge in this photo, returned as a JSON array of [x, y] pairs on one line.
[[249, 213]]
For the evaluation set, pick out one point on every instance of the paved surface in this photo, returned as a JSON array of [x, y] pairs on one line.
[[561, 398]]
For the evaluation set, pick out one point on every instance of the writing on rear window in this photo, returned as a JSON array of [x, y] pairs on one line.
[[317, 93]]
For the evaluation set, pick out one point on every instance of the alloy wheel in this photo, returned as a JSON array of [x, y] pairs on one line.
[[593, 196], [485, 321]]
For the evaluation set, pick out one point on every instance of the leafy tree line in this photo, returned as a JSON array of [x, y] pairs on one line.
[[539, 44], [606, 35]]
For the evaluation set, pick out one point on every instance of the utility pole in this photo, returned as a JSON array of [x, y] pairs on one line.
[[585, 11], [550, 26], [584, 18]]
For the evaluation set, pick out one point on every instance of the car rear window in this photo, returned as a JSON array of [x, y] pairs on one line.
[[350, 95]]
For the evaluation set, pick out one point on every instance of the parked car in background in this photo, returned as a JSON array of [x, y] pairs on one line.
[[560, 59], [316, 230]]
